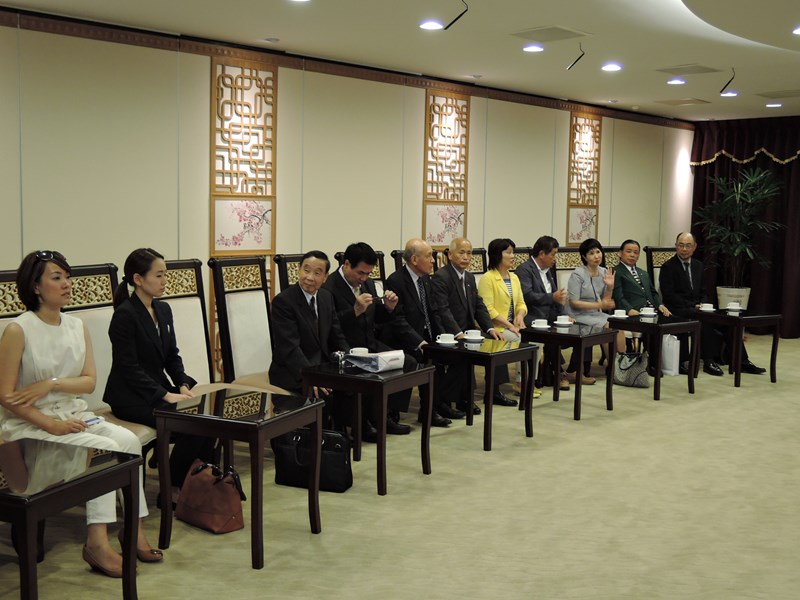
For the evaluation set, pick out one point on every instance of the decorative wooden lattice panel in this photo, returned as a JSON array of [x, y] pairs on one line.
[[243, 101], [583, 189], [444, 214]]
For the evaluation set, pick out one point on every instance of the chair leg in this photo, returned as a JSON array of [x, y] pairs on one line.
[[39, 540]]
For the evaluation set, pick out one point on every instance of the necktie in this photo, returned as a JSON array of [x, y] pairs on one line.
[[641, 285], [356, 291], [313, 305], [688, 274], [424, 301]]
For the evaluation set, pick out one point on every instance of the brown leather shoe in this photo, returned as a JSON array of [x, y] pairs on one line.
[[586, 380], [91, 559], [564, 384]]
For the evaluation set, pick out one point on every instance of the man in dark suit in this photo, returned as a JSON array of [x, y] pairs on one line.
[[419, 322], [683, 287], [305, 328], [360, 311], [544, 300], [462, 309]]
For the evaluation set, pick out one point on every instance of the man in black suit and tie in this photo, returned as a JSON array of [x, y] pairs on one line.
[[462, 309], [544, 300], [682, 284], [305, 328], [419, 322], [360, 311]]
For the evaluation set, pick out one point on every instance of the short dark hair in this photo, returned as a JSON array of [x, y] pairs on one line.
[[587, 245], [139, 262], [546, 244], [496, 249], [29, 274], [626, 242], [317, 254], [360, 252]]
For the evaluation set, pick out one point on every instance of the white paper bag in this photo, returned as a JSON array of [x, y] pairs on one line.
[[670, 355], [378, 361]]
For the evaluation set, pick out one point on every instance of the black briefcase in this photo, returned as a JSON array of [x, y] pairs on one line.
[[292, 456]]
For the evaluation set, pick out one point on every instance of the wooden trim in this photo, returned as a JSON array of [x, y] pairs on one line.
[[10, 17]]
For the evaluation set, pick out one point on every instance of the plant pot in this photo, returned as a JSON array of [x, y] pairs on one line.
[[726, 294]]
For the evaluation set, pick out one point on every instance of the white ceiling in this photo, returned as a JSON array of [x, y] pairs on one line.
[[754, 37]]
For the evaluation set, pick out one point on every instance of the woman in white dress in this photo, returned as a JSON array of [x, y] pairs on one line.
[[46, 364], [589, 292]]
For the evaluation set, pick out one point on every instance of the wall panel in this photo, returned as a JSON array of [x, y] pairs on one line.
[[9, 151]]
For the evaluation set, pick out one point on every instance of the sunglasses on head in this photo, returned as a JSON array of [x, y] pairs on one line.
[[48, 255]]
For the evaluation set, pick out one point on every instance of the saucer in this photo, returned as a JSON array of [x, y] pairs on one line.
[[453, 343], [707, 309], [619, 316], [541, 326]]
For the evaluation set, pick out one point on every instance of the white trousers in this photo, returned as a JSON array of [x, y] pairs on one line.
[[48, 467], [510, 336]]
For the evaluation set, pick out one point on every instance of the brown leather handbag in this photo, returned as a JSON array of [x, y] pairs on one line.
[[211, 498]]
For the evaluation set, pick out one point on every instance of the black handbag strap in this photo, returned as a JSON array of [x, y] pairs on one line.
[[220, 476]]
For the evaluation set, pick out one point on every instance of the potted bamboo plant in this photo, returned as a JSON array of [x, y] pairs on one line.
[[730, 224]]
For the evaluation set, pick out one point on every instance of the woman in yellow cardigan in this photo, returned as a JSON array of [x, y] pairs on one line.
[[502, 294]]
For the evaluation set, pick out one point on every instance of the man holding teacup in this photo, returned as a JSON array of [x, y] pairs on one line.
[[682, 283]]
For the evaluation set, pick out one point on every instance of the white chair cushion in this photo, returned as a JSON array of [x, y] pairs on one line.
[[249, 329], [187, 316]]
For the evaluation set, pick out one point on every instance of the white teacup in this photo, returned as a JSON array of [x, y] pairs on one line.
[[648, 310], [619, 312], [563, 320], [706, 306], [540, 323], [473, 334], [733, 306], [445, 338], [359, 351]]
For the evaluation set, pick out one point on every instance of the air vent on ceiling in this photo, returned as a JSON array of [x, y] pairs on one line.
[[688, 70], [780, 95], [550, 34], [683, 101]]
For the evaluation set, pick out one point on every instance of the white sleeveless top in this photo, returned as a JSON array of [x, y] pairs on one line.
[[50, 351]]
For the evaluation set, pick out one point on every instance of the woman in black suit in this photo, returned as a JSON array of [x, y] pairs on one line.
[[147, 370]]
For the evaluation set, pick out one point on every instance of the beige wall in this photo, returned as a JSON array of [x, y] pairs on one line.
[[114, 155]]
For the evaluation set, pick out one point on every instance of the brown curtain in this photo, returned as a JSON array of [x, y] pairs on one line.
[[722, 149]]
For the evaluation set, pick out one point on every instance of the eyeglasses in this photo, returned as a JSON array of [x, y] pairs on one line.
[[48, 255], [685, 246]]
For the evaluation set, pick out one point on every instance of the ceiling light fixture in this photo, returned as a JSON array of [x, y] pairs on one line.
[[676, 81], [725, 87], [796, 31], [774, 105], [431, 25], [533, 48], [611, 67], [580, 56]]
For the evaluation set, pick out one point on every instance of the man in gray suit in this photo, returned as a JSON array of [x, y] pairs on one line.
[[543, 298]]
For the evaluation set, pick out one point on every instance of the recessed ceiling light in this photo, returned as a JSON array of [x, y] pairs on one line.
[[299, 0], [676, 81], [431, 25], [272, 40], [796, 31], [611, 67], [729, 94], [774, 105], [533, 48], [612, 101]]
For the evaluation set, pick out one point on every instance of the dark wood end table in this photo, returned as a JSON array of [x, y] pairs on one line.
[[107, 471], [657, 326], [378, 387], [578, 337], [490, 354], [738, 321], [246, 416]]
